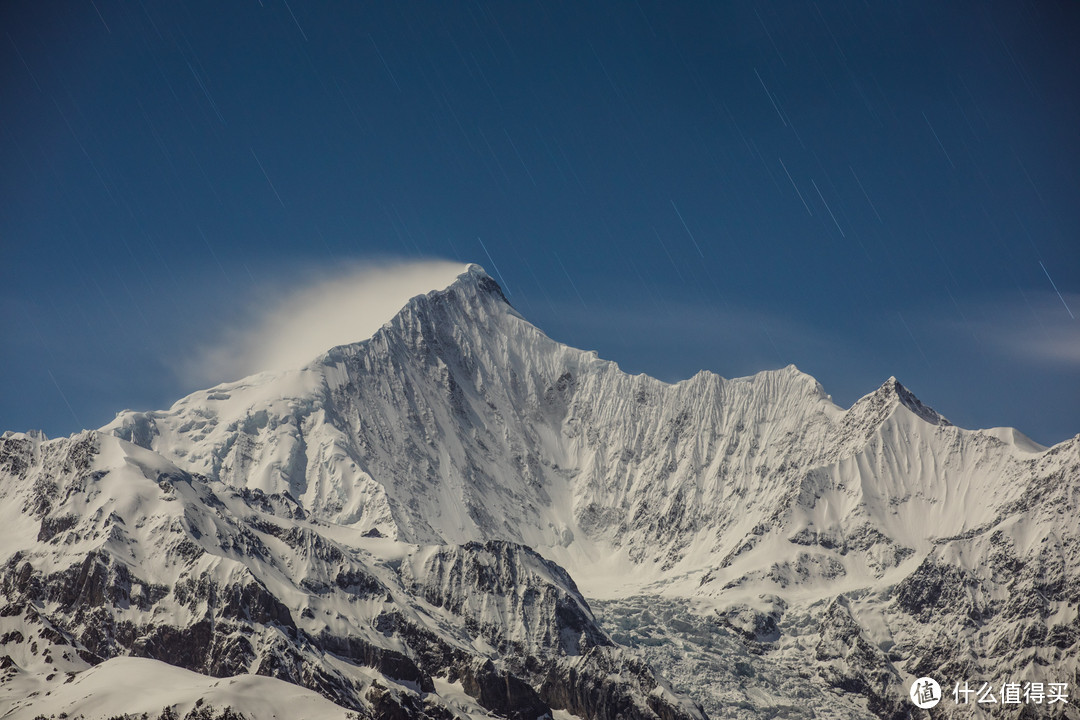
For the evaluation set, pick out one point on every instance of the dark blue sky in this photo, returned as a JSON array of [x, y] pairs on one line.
[[863, 189]]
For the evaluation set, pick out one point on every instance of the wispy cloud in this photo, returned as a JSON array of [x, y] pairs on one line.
[[1032, 327], [328, 307], [672, 339]]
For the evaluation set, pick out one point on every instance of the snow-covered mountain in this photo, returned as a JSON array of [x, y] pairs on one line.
[[460, 515]]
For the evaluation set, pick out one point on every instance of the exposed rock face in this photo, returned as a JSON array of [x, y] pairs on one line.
[[396, 526], [144, 559], [849, 662], [515, 600]]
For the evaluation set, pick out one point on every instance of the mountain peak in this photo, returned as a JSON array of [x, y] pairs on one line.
[[477, 275], [894, 388], [475, 270], [873, 410], [471, 284]]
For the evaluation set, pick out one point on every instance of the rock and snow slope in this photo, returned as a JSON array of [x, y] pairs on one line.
[[414, 510]]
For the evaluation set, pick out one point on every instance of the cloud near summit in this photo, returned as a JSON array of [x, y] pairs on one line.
[[328, 308]]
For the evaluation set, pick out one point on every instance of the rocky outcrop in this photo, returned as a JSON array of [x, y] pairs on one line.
[[852, 664]]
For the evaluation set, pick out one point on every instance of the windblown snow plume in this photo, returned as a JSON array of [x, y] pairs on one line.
[[333, 307]]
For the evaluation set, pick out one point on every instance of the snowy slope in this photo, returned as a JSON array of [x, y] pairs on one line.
[[134, 686], [447, 470]]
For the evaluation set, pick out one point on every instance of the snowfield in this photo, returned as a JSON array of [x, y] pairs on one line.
[[128, 685]]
